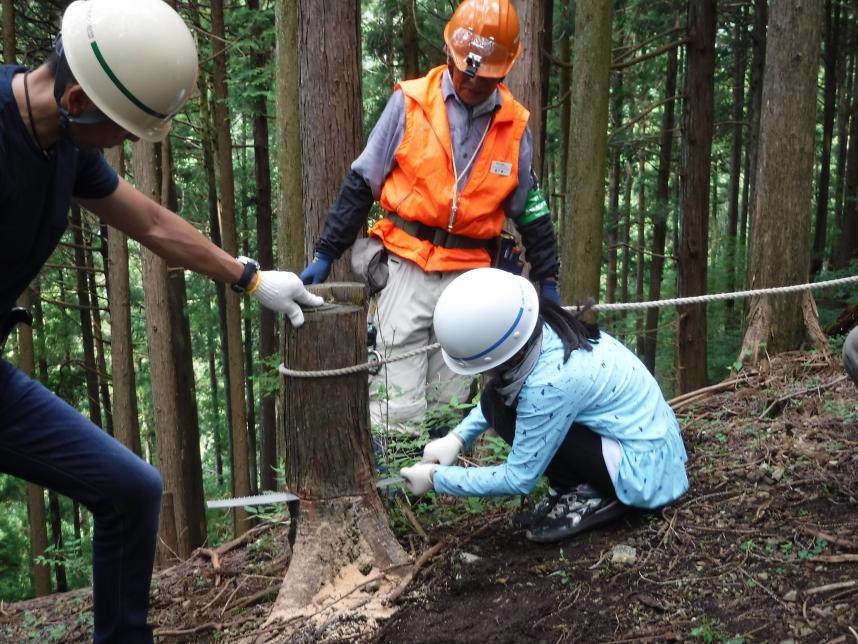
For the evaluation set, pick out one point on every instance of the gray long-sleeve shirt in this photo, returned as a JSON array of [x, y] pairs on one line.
[[467, 126]]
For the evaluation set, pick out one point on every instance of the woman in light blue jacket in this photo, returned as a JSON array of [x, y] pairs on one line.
[[574, 403]]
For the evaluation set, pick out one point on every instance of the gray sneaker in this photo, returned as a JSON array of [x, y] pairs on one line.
[[530, 518], [574, 512]]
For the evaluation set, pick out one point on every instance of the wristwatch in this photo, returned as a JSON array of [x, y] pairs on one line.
[[251, 266]]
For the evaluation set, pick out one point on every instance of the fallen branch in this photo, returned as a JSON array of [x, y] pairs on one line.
[[835, 558], [421, 561], [830, 538], [829, 587], [783, 399]]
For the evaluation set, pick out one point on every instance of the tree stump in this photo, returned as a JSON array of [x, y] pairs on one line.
[[342, 540]]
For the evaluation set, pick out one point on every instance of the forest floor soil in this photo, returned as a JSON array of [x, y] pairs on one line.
[[763, 548]]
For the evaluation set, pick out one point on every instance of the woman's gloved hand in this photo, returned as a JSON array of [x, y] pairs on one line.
[[443, 450], [418, 477], [284, 292]]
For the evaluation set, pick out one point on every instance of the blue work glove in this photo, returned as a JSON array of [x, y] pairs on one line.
[[318, 270], [548, 290]]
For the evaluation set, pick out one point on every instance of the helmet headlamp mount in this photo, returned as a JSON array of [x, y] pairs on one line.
[[472, 62]]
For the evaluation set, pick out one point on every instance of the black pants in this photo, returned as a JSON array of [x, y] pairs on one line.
[[579, 458]]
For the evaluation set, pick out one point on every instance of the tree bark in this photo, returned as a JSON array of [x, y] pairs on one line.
[[126, 422], [229, 238], [659, 219], [291, 233], [265, 255], [780, 231], [829, 107], [147, 176], [739, 59], [340, 518], [585, 187], [330, 74], [88, 344], [694, 187], [10, 53], [410, 41], [525, 78]]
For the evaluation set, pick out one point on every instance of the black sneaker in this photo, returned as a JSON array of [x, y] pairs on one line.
[[579, 510], [530, 518]]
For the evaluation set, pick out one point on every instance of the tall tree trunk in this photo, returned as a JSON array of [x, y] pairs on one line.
[[193, 502], [639, 251], [525, 78], [758, 64], [846, 89], [54, 515], [662, 198], [265, 249], [36, 515], [126, 421], [581, 237], [564, 91], [849, 229], [694, 186], [229, 238], [410, 41], [81, 267], [291, 229], [829, 107], [145, 163], [10, 53], [330, 139], [100, 357], [739, 59], [209, 146], [780, 231]]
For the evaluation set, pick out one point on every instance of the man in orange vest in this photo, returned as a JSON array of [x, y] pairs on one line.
[[449, 159]]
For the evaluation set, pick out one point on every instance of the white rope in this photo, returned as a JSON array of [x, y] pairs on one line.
[[617, 306], [700, 299]]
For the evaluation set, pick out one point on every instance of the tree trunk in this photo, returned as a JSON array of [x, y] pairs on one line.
[[739, 57], [780, 231], [81, 267], [35, 493], [585, 186], [265, 255], [564, 91], [829, 107], [229, 238], [145, 164], [330, 138], [758, 64], [410, 41], [10, 53], [126, 421], [340, 520], [525, 78], [100, 357], [290, 233], [694, 186], [659, 219], [846, 91], [849, 228]]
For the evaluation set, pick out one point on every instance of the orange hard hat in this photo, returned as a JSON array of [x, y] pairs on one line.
[[483, 37]]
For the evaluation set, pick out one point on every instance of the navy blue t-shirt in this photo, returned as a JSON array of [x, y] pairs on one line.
[[35, 193]]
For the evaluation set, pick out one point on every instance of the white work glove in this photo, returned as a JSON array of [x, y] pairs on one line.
[[418, 477], [443, 450], [283, 292]]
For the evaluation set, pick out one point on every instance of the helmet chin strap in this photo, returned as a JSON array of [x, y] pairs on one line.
[[61, 80]]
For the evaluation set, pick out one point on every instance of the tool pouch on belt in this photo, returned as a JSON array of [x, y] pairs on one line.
[[369, 263], [506, 255]]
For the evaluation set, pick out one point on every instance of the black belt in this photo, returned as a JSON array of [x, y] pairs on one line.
[[439, 236]]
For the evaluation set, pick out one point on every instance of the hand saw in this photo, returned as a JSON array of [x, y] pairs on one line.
[[280, 497]]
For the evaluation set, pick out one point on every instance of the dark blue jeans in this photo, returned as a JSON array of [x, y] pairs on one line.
[[45, 441]]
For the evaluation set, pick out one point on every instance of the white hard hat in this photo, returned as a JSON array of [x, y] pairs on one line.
[[483, 318], [135, 59]]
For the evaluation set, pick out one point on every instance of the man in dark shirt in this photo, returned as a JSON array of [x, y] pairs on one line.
[[120, 71]]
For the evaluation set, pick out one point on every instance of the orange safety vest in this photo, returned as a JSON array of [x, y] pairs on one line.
[[420, 186]]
